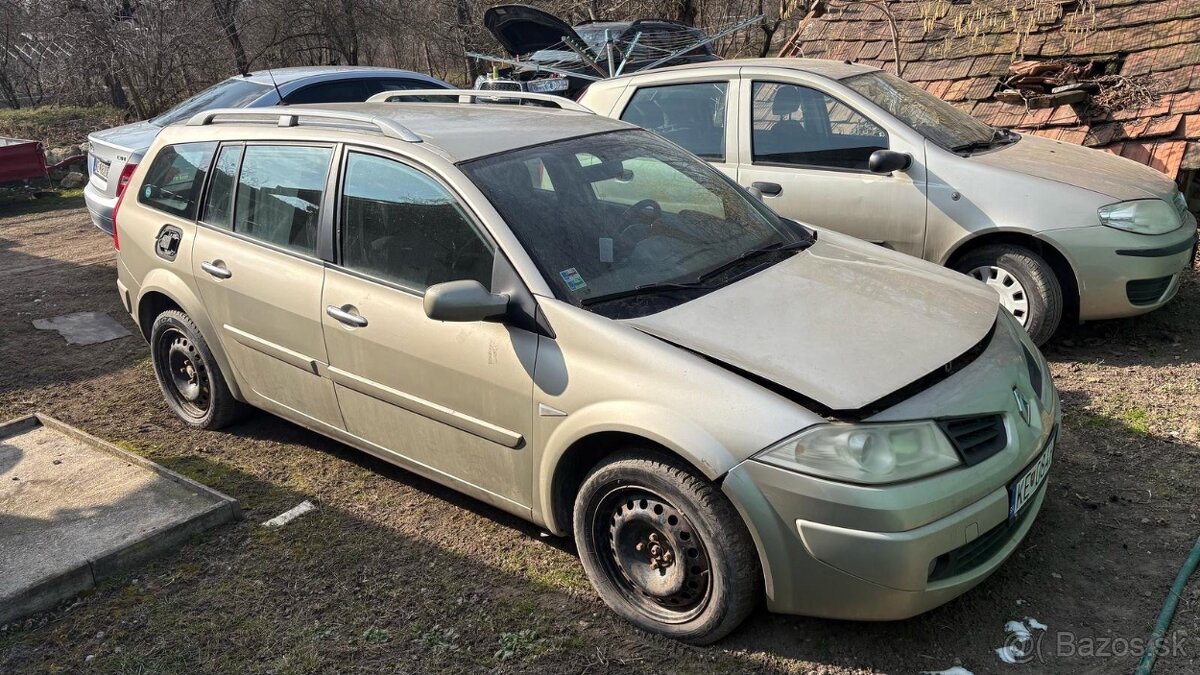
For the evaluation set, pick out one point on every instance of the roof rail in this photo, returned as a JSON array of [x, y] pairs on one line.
[[470, 96], [290, 117]]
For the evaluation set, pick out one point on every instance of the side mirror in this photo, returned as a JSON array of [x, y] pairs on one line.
[[887, 161], [465, 300]]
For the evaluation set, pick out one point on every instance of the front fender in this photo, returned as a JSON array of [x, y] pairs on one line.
[[663, 426], [163, 281]]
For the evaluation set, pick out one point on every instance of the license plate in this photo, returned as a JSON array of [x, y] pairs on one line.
[[1022, 490], [102, 169]]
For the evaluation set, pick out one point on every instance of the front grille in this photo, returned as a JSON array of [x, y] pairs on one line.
[[976, 438], [977, 551], [1147, 291]]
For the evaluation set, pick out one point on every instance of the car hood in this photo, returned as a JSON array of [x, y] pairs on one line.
[[844, 323], [1081, 167], [521, 29], [126, 140]]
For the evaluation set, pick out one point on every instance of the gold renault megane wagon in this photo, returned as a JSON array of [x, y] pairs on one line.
[[580, 323]]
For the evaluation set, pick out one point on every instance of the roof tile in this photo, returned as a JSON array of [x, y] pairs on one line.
[[1166, 156], [1191, 126], [1138, 152]]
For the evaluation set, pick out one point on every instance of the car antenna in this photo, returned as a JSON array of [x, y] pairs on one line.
[[276, 85]]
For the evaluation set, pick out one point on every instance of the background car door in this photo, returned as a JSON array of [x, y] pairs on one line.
[[454, 398], [256, 268], [815, 148]]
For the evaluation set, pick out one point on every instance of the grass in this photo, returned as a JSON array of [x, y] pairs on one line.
[[58, 125]]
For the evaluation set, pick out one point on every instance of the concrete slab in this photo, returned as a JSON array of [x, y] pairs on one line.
[[75, 509], [83, 328]]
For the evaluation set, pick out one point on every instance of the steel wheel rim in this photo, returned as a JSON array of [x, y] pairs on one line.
[[652, 553], [183, 372], [1012, 293]]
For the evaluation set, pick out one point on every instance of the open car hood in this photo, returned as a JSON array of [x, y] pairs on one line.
[[522, 29], [845, 324]]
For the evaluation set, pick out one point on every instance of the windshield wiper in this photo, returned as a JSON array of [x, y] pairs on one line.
[[648, 289], [774, 247], [999, 137]]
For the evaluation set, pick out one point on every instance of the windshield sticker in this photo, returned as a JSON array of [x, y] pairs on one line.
[[572, 279]]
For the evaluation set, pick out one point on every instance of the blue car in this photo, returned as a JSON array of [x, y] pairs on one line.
[[115, 153]]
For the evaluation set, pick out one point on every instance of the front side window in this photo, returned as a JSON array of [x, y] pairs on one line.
[[400, 225], [176, 177], [339, 91], [692, 115], [279, 195], [802, 127], [634, 224]]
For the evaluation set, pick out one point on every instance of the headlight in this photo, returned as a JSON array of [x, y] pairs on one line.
[[548, 85], [1141, 216], [1180, 203], [865, 453]]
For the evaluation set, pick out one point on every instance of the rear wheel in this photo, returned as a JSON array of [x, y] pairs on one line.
[[665, 549], [1026, 283], [188, 375]]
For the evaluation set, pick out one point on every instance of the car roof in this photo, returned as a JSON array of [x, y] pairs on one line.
[[465, 131], [296, 73], [835, 70]]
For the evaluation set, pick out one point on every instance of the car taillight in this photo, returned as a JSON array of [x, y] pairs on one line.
[[123, 180], [116, 208], [122, 183]]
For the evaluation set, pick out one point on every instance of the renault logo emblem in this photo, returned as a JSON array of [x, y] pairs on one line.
[[1024, 409]]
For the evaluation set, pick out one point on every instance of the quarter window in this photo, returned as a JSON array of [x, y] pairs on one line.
[[175, 178], [279, 195], [691, 115], [799, 126], [399, 225]]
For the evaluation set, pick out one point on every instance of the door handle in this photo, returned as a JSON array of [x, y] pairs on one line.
[[768, 189], [217, 269], [346, 315]]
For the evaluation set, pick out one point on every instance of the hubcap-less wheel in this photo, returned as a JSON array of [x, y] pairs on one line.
[[651, 551], [1012, 293], [185, 372]]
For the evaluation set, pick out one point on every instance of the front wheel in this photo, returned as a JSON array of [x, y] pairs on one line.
[[665, 549], [1026, 283]]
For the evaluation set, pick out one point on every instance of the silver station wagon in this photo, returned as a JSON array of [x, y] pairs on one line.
[[1056, 229], [579, 323]]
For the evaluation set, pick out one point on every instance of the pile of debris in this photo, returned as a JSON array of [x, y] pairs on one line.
[[1046, 84]]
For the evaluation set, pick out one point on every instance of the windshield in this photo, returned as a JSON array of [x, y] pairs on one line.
[[932, 117], [626, 224], [228, 94]]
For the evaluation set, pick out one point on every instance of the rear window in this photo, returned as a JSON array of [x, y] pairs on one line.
[[228, 94], [175, 178]]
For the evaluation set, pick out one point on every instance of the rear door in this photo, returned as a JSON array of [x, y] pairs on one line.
[[259, 276], [453, 399], [814, 148]]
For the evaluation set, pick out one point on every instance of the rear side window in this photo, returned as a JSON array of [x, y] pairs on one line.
[[175, 178], [802, 127], [691, 115], [218, 206], [402, 226], [279, 194], [340, 91]]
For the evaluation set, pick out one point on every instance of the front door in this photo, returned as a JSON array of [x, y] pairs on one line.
[[814, 148], [454, 399], [259, 278]]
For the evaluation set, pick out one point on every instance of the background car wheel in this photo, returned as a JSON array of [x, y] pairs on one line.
[[1026, 283], [665, 549], [188, 374]]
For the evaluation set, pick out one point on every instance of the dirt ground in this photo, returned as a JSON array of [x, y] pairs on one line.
[[396, 574]]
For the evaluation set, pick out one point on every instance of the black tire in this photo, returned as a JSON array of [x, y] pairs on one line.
[[1042, 288], [674, 515], [188, 375]]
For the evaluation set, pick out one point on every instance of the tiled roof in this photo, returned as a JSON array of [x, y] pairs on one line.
[[958, 52]]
